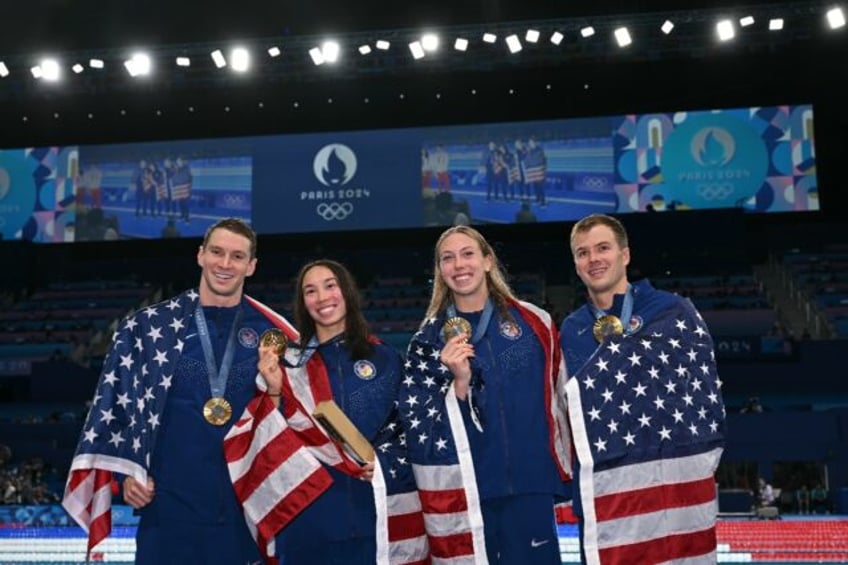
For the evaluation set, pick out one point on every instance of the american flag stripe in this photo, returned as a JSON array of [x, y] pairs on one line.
[[647, 420], [534, 174], [88, 499], [643, 475], [275, 318], [654, 499], [273, 475], [181, 191], [444, 501], [456, 548], [555, 377], [682, 549]]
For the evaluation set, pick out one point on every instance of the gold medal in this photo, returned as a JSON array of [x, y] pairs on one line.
[[606, 326], [275, 338], [217, 411], [456, 326]]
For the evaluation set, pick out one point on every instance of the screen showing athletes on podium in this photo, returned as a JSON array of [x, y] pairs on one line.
[[761, 160]]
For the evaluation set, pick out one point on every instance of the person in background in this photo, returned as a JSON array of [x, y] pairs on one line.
[[645, 408], [177, 373], [483, 412], [802, 499], [818, 499]]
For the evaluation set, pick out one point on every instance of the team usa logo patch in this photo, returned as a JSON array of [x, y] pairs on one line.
[[365, 369], [248, 338], [510, 330], [636, 323]]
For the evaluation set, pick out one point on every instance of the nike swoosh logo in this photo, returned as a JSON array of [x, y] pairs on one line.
[[534, 543], [582, 331], [190, 335]]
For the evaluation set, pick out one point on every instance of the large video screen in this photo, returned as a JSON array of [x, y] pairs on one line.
[[761, 160]]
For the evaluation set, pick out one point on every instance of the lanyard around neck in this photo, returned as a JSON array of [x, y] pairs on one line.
[[217, 376], [480, 330], [626, 310]]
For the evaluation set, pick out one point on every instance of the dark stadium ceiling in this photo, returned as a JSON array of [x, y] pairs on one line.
[[388, 88]]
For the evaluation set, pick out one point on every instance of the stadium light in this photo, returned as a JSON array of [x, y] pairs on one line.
[[746, 21], [96, 63], [587, 31], [622, 37], [218, 58], [836, 18], [240, 59], [557, 37], [513, 43], [317, 56], [775, 24], [77, 68], [50, 70], [430, 42], [461, 44], [364, 49], [382, 45], [183, 62], [417, 50], [725, 30], [138, 65], [489, 37], [4, 70], [274, 51], [330, 50], [667, 26], [532, 36]]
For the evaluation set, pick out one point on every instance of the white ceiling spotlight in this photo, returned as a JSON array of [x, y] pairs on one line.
[[417, 50], [218, 58], [725, 30], [330, 50], [461, 44], [49, 70], [775, 24], [138, 65], [532, 36], [667, 26], [836, 18], [622, 37], [513, 43], [587, 31], [557, 37], [240, 59], [430, 42]]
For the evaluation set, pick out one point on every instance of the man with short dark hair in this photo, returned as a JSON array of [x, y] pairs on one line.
[[645, 408]]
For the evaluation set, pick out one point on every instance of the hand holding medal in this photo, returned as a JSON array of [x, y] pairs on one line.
[[457, 353], [272, 346]]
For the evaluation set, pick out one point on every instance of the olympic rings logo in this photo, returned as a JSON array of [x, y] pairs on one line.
[[234, 200], [334, 210], [715, 191], [594, 182]]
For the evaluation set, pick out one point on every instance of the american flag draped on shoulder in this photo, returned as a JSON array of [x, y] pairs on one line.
[[535, 165], [120, 430], [275, 461], [648, 424], [438, 442]]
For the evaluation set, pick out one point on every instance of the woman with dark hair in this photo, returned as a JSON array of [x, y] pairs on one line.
[[339, 360], [483, 412]]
